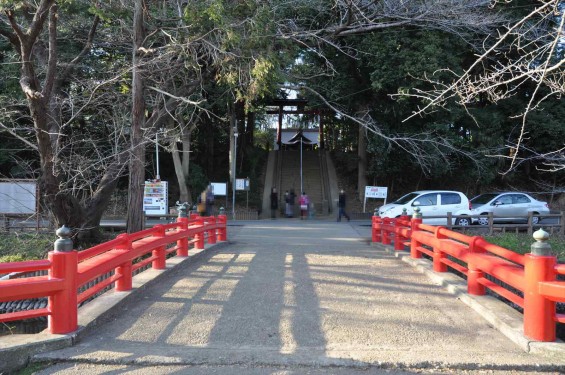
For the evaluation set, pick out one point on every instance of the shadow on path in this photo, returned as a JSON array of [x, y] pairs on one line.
[[295, 294]]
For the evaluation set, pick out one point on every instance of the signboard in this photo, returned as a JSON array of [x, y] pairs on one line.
[[219, 188], [18, 197], [155, 200], [242, 184], [376, 192]]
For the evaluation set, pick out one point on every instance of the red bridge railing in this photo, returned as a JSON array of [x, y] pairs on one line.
[[529, 281], [74, 277]]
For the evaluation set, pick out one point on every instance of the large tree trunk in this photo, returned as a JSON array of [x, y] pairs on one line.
[[65, 208], [96, 205], [362, 162], [137, 158], [182, 165], [41, 97]]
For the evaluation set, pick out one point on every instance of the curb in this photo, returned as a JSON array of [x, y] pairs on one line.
[[501, 316], [16, 351]]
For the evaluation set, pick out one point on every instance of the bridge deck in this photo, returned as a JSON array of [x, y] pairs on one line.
[[296, 293]]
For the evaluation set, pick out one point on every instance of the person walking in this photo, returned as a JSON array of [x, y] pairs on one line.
[[274, 203], [291, 199], [287, 203], [341, 206], [304, 203], [209, 199]]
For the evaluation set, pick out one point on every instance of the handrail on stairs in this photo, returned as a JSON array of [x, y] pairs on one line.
[[326, 191]]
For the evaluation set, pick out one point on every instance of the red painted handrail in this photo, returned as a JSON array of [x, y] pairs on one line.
[[530, 281], [95, 269]]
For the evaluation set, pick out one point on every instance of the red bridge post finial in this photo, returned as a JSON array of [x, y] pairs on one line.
[[539, 311], [63, 304]]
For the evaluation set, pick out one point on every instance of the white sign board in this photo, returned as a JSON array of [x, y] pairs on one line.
[[155, 198], [241, 184], [376, 192], [219, 188], [18, 197]]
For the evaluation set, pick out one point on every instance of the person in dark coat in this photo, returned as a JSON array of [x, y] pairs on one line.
[[209, 197], [341, 205], [291, 200], [274, 203]]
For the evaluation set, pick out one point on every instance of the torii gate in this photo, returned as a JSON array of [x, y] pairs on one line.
[[300, 104]]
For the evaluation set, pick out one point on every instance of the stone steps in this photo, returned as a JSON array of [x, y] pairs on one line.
[[311, 176]]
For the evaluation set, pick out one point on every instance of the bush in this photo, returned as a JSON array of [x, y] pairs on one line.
[[521, 242], [19, 247]]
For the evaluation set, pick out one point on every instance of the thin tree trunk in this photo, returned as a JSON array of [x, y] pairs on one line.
[[362, 162], [182, 182], [137, 158]]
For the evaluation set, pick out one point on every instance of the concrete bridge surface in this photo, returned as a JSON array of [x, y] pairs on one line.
[[296, 297]]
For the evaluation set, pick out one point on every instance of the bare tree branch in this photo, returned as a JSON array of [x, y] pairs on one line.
[[536, 41]]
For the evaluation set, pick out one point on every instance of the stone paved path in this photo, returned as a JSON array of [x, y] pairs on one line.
[[294, 297]]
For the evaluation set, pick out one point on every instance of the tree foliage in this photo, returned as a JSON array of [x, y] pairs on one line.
[[70, 69], [525, 59]]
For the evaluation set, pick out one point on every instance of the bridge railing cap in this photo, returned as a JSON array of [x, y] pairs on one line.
[[63, 244]]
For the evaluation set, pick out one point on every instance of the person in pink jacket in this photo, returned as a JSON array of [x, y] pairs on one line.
[[304, 205]]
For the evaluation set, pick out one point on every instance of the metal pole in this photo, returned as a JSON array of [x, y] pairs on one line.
[[234, 171], [158, 177], [301, 183]]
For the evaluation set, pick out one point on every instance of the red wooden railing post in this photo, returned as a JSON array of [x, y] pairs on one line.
[[211, 222], [414, 227], [62, 305], [376, 227], [182, 244], [124, 270], [385, 230], [222, 231], [199, 235], [159, 253], [539, 312], [438, 264], [474, 287], [398, 237]]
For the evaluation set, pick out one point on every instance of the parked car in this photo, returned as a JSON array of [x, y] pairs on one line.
[[431, 203], [507, 207]]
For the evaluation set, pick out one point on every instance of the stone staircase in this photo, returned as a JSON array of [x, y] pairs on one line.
[[311, 174]]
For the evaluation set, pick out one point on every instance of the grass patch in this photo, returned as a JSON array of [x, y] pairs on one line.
[[27, 246], [521, 242], [32, 368]]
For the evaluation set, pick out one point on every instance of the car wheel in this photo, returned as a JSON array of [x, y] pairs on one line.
[[463, 221], [536, 219], [483, 220]]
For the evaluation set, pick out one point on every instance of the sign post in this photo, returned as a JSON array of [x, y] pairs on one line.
[[243, 184], [220, 189], [379, 192]]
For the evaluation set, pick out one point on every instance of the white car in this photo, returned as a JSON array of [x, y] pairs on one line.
[[431, 203], [507, 207]]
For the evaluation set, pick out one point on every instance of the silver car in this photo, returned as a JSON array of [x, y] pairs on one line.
[[507, 207]]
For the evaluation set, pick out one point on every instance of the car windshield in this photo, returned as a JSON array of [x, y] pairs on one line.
[[407, 198], [483, 198]]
